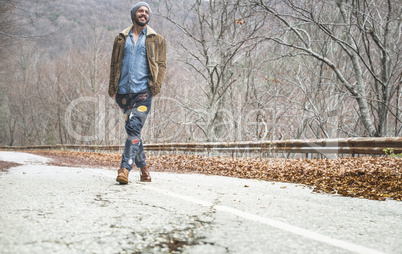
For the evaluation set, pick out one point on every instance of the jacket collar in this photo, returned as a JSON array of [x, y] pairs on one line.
[[126, 31]]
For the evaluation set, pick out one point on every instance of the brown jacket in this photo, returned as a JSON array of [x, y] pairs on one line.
[[156, 53]]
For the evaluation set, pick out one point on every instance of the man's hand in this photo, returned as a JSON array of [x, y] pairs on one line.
[[114, 97]]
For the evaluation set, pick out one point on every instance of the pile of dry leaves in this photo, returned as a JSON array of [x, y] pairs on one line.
[[365, 177], [5, 165], [374, 178]]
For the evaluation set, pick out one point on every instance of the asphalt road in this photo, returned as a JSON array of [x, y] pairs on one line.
[[48, 209]]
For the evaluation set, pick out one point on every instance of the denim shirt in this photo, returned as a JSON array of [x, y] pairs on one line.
[[135, 70]]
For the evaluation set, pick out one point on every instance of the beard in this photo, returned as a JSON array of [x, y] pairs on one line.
[[138, 22]]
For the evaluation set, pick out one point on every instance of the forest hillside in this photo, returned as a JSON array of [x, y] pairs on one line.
[[237, 70]]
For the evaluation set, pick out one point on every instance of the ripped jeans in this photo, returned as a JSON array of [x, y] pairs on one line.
[[135, 108]]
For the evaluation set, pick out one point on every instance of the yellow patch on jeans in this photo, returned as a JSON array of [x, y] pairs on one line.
[[142, 108]]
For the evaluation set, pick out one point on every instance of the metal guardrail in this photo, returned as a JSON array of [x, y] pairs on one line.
[[324, 146], [353, 146]]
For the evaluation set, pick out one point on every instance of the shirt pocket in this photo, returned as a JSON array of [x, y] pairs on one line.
[[125, 49], [143, 50]]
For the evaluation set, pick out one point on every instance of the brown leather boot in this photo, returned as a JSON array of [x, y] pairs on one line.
[[144, 174], [122, 176]]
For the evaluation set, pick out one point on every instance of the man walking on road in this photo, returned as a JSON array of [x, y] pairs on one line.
[[137, 70]]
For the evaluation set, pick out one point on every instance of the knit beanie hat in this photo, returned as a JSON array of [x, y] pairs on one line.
[[137, 6]]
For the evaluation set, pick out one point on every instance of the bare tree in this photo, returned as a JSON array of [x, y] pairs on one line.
[[365, 52], [217, 38], [6, 26]]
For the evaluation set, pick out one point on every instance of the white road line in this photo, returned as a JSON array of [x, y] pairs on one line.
[[270, 222], [274, 223]]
